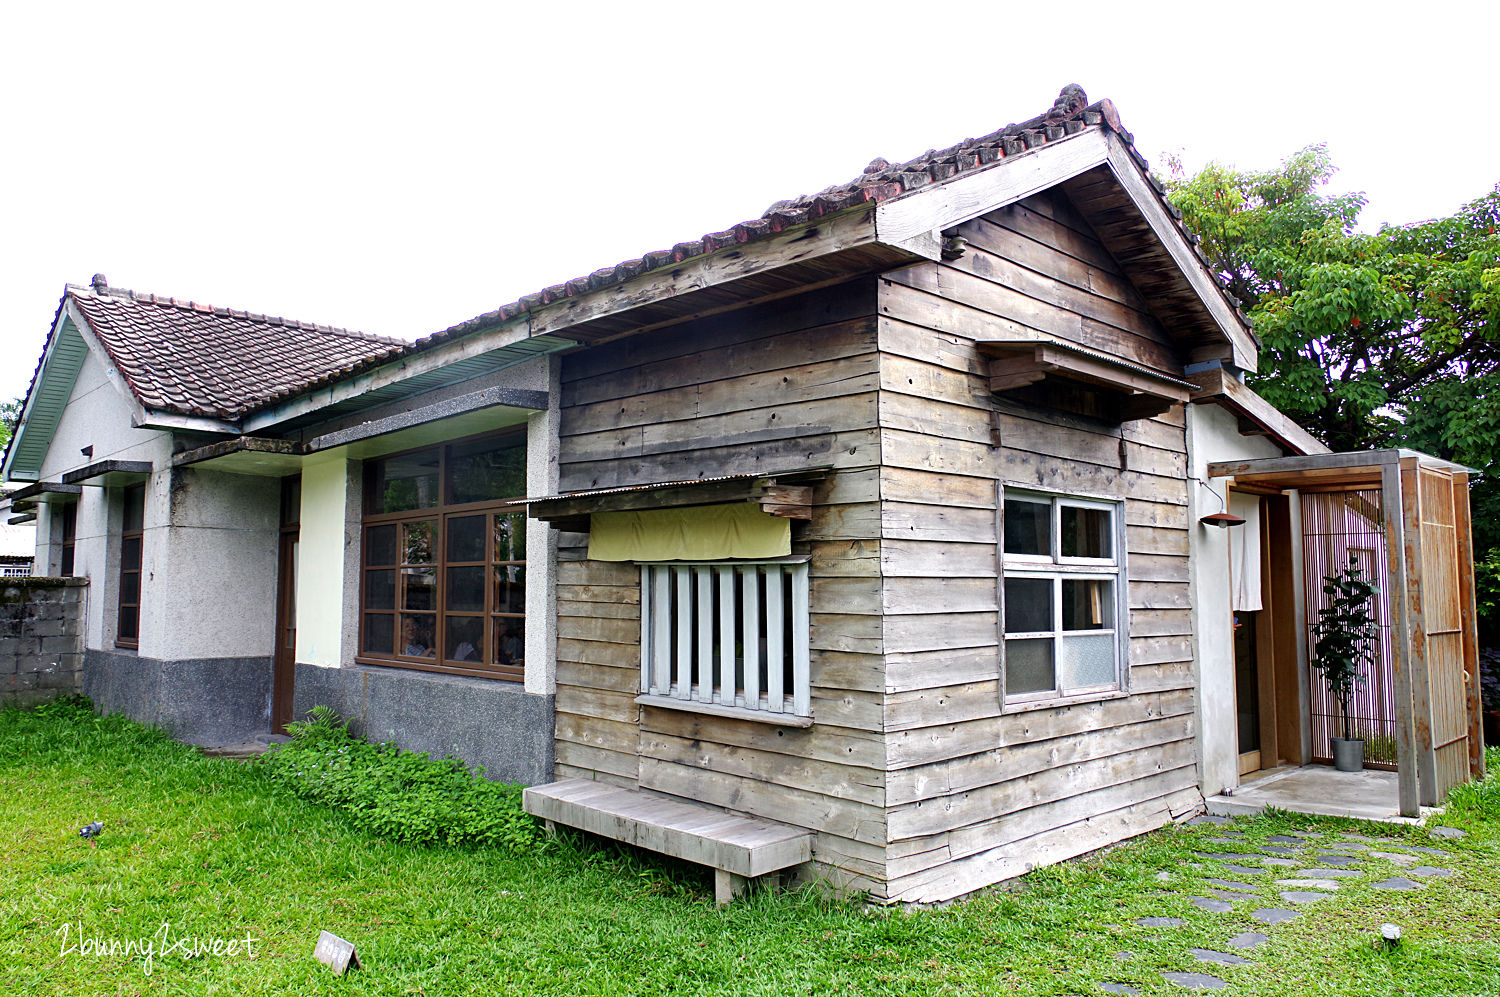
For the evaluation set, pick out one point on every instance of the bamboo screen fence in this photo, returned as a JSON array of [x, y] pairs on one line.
[[1334, 526]]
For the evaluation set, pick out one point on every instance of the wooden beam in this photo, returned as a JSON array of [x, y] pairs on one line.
[[1401, 664], [781, 494], [832, 234]]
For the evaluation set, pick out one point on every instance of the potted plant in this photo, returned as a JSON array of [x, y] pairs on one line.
[[1346, 633]]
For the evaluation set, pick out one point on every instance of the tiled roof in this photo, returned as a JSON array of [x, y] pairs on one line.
[[880, 181], [201, 360], [180, 356]]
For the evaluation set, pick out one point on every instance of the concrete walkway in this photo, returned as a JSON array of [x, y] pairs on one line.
[[1318, 789]]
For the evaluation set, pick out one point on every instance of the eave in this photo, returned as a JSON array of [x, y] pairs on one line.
[[785, 493], [1113, 193], [1257, 416], [831, 250]]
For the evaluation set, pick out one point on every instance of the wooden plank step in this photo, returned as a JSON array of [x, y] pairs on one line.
[[742, 846]]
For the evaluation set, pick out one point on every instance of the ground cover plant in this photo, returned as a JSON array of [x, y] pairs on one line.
[[220, 850]]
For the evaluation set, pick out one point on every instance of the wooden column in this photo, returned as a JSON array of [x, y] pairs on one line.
[[1395, 544]]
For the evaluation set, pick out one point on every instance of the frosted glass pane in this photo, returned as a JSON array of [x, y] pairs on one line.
[[1028, 666], [1087, 659]]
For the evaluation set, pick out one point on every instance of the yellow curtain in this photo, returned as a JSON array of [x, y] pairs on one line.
[[693, 533]]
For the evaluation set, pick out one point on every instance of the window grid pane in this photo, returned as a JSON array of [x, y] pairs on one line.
[[1060, 624], [447, 590]]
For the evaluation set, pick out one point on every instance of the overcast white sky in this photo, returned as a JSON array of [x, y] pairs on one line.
[[400, 168]]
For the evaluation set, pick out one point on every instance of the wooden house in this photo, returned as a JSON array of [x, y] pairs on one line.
[[860, 539]]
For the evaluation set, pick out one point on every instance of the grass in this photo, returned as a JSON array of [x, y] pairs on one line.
[[219, 849]]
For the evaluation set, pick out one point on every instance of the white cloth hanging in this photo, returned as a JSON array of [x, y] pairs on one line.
[[1244, 553]]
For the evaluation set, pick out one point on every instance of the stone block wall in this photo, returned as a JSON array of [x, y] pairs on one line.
[[41, 638]]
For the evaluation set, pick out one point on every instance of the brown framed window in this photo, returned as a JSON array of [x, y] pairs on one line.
[[69, 538], [128, 622], [444, 575]]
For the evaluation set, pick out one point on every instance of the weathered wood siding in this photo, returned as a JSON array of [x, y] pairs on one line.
[[791, 384], [975, 795]]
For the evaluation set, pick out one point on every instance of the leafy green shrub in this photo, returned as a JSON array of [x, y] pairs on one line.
[[400, 795], [1479, 800]]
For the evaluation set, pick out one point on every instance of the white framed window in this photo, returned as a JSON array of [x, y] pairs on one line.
[[730, 638], [1063, 597]]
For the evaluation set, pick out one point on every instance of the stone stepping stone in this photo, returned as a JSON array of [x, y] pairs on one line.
[[1248, 940], [1337, 860], [1228, 856], [1307, 834], [1222, 958], [1348, 846], [1332, 873], [1447, 832], [1231, 884], [1233, 897], [1302, 896], [1160, 922], [1210, 819], [1366, 837], [1196, 981], [1285, 839], [1278, 850], [1309, 884], [1226, 841], [1273, 915], [1420, 848], [1284, 863], [1397, 883], [1430, 870], [1211, 904], [1244, 870], [1400, 858], [1164, 877], [1125, 956], [1119, 988]]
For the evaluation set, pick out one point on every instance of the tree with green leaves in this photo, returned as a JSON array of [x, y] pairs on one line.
[[1368, 340], [10, 414]]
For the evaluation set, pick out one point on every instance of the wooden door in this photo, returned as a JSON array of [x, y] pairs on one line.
[[283, 671]]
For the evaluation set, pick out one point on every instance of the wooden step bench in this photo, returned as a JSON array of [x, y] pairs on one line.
[[737, 848]]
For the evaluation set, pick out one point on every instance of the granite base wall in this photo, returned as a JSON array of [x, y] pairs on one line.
[[496, 725], [41, 638], [197, 700]]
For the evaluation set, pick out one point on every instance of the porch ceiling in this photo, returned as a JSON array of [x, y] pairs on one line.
[[1353, 469]]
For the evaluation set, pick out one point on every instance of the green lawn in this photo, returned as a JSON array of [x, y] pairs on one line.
[[218, 850]]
